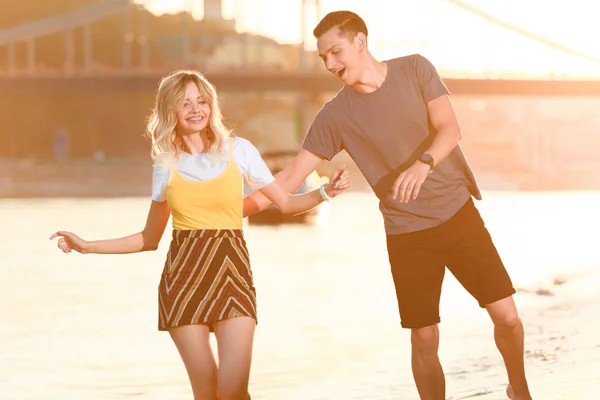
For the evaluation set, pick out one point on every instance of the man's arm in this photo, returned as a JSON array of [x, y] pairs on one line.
[[443, 119], [290, 179]]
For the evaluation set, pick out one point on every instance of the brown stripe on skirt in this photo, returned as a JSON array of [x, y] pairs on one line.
[[206, 279]]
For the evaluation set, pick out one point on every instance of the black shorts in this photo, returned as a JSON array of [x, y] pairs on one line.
[[419, 259]]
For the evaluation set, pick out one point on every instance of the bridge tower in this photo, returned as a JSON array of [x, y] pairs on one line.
[[213, 9], [304, 112]]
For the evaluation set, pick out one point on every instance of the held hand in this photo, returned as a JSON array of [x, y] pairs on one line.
[[69, 241], [339, 182], [409, 182]]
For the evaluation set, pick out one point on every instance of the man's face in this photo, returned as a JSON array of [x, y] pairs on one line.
[[341, 55]]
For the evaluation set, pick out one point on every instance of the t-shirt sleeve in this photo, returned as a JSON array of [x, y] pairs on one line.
[[430, 82], [253, 167], [160, 177], [323, 137]]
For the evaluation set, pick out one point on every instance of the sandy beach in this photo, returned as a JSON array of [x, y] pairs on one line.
[[84, 327]]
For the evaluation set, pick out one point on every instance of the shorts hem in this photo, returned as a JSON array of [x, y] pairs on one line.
[[420, 324], [498, 297]]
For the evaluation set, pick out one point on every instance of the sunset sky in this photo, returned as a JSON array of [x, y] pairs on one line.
[[453, 38]]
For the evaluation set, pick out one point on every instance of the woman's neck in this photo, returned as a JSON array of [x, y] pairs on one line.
[[195, 143]]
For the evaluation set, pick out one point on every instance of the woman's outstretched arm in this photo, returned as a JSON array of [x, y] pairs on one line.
[[147, 239], [298, 203]]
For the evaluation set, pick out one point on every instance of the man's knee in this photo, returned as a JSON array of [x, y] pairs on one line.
[[504, 313], [508, 322], [425, 341]]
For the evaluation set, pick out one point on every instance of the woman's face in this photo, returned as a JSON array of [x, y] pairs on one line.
[[194, 114]]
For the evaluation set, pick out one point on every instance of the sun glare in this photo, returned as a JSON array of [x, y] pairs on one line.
[[511, 38]]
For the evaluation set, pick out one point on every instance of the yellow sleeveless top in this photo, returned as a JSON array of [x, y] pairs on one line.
[[211, 204]]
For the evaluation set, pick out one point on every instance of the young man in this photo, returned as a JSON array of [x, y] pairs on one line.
[[395, 119]]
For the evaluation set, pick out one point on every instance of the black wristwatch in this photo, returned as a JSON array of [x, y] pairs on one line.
[[427, 159]]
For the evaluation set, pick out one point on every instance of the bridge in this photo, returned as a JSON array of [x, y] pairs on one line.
[[144, 76], [256, 81]]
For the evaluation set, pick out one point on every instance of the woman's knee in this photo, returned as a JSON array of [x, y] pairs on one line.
[[205, 392], [233, 390], [204, 384]]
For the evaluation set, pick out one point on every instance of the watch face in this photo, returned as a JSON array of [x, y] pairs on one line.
[[427, 159]]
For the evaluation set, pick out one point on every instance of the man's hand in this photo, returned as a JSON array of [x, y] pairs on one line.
[[409, 182], [339, 181]]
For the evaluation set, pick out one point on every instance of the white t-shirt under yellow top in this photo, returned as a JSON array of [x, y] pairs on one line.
[[199, 167]]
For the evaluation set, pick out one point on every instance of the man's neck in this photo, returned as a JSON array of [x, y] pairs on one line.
[[372, 78]]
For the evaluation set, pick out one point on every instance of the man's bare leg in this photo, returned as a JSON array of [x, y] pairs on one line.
[[510, 337], [426, 367]]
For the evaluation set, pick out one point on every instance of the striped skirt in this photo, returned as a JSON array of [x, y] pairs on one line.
[[206, 279]]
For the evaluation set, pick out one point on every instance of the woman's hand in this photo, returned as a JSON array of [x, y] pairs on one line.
[[69, 241]]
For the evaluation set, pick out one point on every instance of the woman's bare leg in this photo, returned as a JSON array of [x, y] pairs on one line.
[[235, 337], [194, 348]]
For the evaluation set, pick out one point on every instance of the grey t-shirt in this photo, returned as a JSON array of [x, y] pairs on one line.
[[385, 132]]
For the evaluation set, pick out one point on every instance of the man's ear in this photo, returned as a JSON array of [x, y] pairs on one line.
[[361, 40]]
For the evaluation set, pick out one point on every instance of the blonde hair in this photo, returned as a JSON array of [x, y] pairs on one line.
[[166, 144]]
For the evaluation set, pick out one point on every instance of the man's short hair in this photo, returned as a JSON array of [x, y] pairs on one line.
[[347, 22]]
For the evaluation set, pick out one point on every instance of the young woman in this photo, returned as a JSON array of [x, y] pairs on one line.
[[206, 285]]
